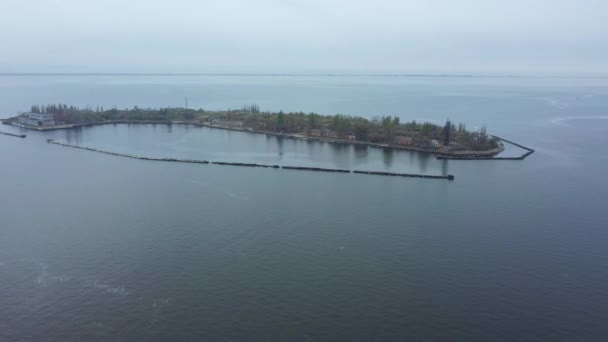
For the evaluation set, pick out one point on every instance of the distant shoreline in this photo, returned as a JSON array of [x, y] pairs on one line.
[[299, 75]]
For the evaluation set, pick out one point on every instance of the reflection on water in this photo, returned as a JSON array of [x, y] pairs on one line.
[[387, 157], [341, 155], [424, 159], [360, 152], [444, 167], [74, 135], [280, 147]]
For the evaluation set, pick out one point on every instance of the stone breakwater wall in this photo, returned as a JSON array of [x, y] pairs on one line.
[[13, 135], [302, 168]]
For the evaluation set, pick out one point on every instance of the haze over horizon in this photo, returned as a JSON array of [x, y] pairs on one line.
[[563, 38]]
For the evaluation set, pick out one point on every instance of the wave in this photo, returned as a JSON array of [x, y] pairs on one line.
[[555, 103], [236, 196], [42, 275], [119, 290]]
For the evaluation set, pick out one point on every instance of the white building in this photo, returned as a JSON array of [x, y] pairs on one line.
[[37, 119]]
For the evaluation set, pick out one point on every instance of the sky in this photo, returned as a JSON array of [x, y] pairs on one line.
[[487, 37]]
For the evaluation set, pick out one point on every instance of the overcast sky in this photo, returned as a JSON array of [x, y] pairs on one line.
[[308, 36]]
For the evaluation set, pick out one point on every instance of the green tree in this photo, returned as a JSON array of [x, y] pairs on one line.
[[361, 131], [388, 124], [280, 120], [312, 121], [426, 130]]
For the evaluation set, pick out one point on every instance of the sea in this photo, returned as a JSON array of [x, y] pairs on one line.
[[96, 247]]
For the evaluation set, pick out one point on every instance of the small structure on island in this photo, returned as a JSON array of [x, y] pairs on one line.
[[446, 133], [324, 133], [404, 140], [37, 119]]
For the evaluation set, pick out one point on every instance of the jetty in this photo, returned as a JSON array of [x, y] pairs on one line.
[[13, 135], [301, 168]]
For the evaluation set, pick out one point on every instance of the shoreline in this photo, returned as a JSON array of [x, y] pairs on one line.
[[463, 155]]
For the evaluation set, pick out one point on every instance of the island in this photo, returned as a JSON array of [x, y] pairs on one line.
[[382, 131]]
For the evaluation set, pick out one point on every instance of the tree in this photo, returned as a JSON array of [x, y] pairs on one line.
[[447, 129], [483, 134], [312, 121], [388, 124], [254, 108], [426, 129], [340, 124], [361, 131], [280, 120]]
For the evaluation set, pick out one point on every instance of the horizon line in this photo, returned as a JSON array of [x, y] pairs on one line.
[[438, 75]]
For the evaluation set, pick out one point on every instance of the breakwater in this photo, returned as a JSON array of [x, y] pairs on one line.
[[315, 169], [303, 168], [245, 164], [528, 150], [382, 173], [13, 135]]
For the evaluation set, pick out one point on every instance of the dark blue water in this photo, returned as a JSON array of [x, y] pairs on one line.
[[95, 247]]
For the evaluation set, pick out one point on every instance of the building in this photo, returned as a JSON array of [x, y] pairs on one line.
[[37, 119], [234, 123], [403, 140], [435, 143], [229, 123], [330, 134], [325, 133]]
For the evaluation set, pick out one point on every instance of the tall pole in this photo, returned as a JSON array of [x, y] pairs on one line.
[[186, 102]]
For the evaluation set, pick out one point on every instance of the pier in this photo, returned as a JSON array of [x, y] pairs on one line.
[[303, 168]]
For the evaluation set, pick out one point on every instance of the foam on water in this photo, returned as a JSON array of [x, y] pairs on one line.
[[42, 275], [236, 196], [118, 290]]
